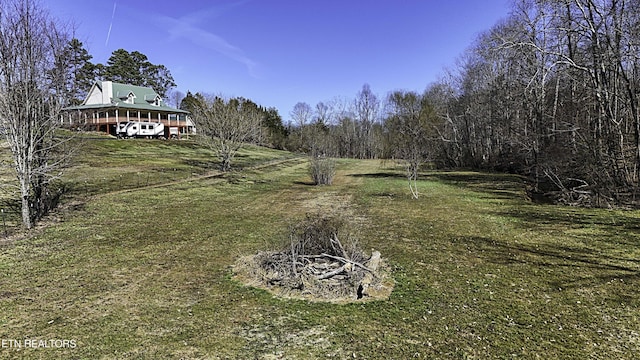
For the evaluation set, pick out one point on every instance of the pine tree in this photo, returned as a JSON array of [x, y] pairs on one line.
[[192, 102], [81, 70], [135, 68], [122, 67]]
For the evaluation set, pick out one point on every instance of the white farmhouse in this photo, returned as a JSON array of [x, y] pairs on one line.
[[109, 103]]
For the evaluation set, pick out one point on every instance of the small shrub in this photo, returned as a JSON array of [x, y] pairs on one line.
[[322, 170]]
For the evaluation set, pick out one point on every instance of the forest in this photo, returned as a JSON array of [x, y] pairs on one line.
[[550, 93]]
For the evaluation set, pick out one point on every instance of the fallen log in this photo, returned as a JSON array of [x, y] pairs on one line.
[[333, 273], [341, 259]]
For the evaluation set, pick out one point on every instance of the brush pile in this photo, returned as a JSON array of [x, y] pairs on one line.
[[321, 261]]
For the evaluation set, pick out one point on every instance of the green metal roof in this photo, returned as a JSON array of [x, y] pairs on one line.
[[143, 99], [126, 106]]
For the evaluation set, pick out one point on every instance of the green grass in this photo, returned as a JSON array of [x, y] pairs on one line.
[[480, 272], [108, 165]]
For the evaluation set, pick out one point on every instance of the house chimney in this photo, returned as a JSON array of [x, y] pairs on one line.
[[107, 92]]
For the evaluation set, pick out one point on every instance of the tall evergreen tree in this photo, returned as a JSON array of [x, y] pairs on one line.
[[122, 67], [82, 72], [159, 78], [277, 132], [135, 68], [191, 102]]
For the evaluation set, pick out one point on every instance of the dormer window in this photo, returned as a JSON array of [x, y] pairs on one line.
[[130, 98], [154, 99]]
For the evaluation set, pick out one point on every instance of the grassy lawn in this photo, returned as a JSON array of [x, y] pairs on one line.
[[480, 272]]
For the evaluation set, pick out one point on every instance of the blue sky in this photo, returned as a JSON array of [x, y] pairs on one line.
[[280, 52]]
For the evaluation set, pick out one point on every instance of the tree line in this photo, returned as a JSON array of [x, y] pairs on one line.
[[550, 92]]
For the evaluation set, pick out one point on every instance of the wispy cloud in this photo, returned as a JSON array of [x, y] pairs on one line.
[[188, 28]]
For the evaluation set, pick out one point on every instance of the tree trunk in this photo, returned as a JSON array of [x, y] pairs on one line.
[[25, 204]]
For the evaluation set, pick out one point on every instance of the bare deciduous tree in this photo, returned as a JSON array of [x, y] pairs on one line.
[[301, 117], [301, 114], [367, 109], [227, 125], [31, 46], [552, 92], [409, 125], [175, 97]]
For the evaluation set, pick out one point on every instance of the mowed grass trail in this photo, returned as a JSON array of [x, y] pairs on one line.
[[480, 272]]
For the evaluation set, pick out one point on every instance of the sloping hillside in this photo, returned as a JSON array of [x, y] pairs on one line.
[[480, 272]]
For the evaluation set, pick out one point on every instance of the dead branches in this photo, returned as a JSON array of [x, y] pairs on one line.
[[321, 261], [316, 249]]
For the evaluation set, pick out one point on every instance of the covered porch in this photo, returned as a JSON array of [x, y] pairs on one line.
[[107, 120]]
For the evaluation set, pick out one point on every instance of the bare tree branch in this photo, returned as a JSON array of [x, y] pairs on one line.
[[31, 46], [227, 125]]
